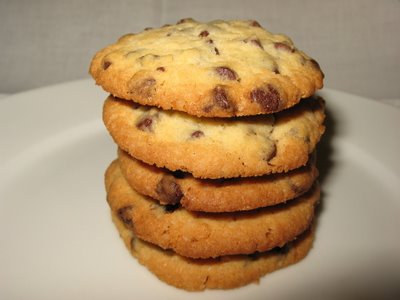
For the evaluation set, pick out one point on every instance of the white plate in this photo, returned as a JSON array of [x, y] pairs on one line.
[[57, 240]]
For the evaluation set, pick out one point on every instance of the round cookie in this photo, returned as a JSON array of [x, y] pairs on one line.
[[216, 148], [204, 235], [215, 195], [219, 273], [215, 69]]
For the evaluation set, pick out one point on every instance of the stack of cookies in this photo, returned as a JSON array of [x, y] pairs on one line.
[[216, 126]]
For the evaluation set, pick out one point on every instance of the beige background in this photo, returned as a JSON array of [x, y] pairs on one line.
[[357, 43]]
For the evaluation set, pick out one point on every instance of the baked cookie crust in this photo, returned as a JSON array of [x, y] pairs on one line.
[[202, 235], [215, 69], [224, 272], [216, 195], [217, 147]]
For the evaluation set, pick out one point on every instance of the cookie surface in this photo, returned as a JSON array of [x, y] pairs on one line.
[[202, 235], [215, 195], [215, 69], [219, 273], [216, 148]]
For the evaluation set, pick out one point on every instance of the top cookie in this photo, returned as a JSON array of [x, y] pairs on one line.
[[215, 69]]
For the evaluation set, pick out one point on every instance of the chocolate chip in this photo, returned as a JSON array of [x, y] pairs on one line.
[[197, 134], [145, 124], [216, 51], [221, 98], [257, 43], [125, 215], [254, 41], [161, 69], [226, 73], [106, 64], [148, 28], [296, 189], [283, 46], [168, 190], [270, 154], [204, 33], [210, 41], [185, 20], [276, 70], [267, 97], [255, 23], [145, 87]]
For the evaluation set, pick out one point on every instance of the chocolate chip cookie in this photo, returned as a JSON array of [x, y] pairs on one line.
[[224, 272], [215, 69], [215, 195], [217, 147], [205, 235]]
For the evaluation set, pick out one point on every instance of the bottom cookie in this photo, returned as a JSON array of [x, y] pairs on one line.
[[224, 272]]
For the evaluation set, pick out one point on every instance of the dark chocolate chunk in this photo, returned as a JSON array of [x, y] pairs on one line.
[[124, 214], [257, 43], [268, 97], [255, 23], [161, 69], [298, 190], [204, 33], [106, 64], [145, 88], [197, 134], [216, 51], [283, 46], [145, 124], [221, 98], [254, 41], [270, 154], [168, 190], [226, 73], [185, 20]]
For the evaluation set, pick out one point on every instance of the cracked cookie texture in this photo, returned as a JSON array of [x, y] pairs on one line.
[[205, 235], [214, 69], [225, 272], [216, 147]]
